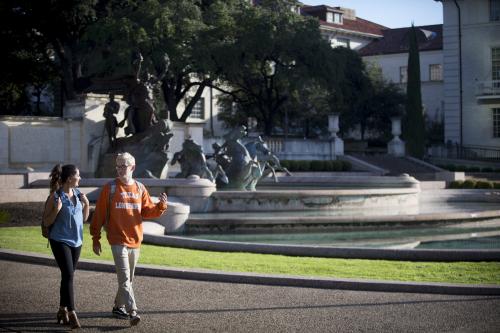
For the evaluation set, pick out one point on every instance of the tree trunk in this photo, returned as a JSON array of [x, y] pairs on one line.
[[170, 100], [66, 58], [192, 102]]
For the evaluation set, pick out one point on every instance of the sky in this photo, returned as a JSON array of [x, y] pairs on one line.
[[391, 13]]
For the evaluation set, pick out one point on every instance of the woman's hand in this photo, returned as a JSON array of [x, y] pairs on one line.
[[58, 204], [84, 199]]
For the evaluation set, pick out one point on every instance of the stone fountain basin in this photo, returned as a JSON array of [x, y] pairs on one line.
[[313, 199]]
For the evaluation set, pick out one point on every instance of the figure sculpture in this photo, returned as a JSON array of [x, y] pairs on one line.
[[147, 138], [150, 147], [268, 162], [235, 161], [192, 161], [111, 124], [140, 115]]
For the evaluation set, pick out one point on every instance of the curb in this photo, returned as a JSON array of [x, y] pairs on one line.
[[324, 251], [261, 279]]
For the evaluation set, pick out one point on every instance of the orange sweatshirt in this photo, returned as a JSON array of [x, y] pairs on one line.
[[127, 210]]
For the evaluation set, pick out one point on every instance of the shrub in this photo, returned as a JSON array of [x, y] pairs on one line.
[[329, 165], [335, 166], [483, 184], [496, 185], [346, 165], [4, 216], [285, 164], [317, 166], [469, 184], [487, 170], [473, 169], [450, 167], [304, 165], [456, 184]]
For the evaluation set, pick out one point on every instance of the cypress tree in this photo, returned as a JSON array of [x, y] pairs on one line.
[[413, 124]]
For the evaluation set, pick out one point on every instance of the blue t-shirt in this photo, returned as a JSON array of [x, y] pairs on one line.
[[68, 226]]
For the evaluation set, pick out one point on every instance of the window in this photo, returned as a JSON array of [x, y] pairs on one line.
[[337, 18], [436, 72], [332, 17], [495, 63], [198, 111], [496, 122], [403, 74], [345, 42], [494, 10], [329, 17]]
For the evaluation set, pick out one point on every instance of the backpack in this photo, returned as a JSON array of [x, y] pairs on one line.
[[45, 229], [112, 190], [57, 194]]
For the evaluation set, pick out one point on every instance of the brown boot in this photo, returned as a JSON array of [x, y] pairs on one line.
[[73, 320], [62, 315]]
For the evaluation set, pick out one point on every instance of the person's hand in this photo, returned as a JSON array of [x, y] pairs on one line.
[[97, 248], [58, 204], [84, 199], [163, 198]]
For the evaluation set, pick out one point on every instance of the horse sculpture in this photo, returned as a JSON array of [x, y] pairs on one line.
[[267, 161], [235, 161]]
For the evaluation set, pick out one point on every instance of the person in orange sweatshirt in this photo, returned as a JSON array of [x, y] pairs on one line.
[[122, 205]]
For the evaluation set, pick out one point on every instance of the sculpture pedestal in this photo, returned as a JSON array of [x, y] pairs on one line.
[[396, 147], [175, 217], [337, 146], [195, 192]]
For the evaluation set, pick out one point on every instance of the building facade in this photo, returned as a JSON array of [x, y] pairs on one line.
[[340, 26], [390, 54], [471, 48]]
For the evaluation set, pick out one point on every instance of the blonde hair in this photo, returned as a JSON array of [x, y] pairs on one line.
[[125, 157]]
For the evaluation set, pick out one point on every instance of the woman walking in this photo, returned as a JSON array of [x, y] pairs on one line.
[[65, 211]]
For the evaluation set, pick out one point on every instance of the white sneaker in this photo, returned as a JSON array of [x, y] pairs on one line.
[[134, 318]]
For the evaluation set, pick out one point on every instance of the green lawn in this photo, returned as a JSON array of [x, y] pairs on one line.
[[30, 239]]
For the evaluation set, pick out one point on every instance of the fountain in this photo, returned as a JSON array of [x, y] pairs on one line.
[[345, 210], [235, 201]]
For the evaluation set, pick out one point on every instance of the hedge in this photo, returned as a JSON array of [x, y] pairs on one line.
[[463, 168], [471, 184], [296, 165]]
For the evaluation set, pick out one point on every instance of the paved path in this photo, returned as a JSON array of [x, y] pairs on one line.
[[29, 299]]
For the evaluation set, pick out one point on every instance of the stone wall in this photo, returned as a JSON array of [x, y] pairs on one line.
[[41, 142], [79, 137]]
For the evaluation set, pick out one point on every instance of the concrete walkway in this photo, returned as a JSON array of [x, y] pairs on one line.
[[29, 295]]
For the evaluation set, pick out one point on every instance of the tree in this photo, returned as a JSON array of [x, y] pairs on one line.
[[378, 101], [56, 29], [413, 123], [186, 32], [25, 61], [274, 54]]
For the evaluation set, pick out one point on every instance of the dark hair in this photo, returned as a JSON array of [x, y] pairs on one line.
[[60, 174]]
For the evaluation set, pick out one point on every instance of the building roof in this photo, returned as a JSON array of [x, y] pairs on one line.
[[350, 21], [429, 37]]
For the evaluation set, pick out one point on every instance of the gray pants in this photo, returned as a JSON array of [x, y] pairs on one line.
[[125, 261]]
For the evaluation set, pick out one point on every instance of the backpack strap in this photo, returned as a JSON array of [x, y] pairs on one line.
[[140, 187], [112, 190]]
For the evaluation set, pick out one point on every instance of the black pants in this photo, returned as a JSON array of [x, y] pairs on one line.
[[66, 258]]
